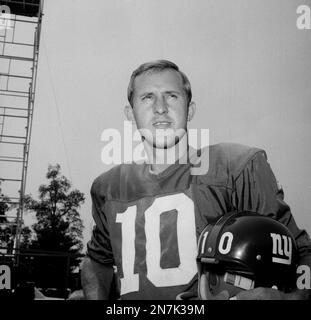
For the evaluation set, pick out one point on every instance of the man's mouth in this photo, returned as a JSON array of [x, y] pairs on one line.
[[162, 124]]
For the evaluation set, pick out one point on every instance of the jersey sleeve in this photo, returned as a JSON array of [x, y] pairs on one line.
[[256, 189], [99, 247]]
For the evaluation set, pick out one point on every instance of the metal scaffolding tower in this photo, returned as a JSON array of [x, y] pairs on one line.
[[20, 26]]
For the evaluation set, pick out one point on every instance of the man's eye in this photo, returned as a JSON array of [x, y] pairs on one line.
[[172, 95], [147, 97]]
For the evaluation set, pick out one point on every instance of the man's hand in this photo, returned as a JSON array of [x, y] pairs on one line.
[[96, 279], [261, 293]]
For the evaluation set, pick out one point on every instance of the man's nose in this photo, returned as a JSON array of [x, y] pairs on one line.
[[160, 105]]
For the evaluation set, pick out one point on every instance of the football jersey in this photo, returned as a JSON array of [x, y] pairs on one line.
[[148, 225]]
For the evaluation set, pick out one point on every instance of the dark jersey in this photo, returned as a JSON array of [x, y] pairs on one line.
[[148, 225]]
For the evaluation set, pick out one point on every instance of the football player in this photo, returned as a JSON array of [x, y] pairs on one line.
[[149, 216]]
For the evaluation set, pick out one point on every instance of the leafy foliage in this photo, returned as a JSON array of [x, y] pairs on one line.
[[56, 242], [59, 226], [6, 230], [4, 206]]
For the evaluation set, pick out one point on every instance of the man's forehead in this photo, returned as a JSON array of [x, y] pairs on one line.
[[158, 78]]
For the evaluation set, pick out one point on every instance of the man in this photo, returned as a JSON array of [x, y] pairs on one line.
[[149, 216]]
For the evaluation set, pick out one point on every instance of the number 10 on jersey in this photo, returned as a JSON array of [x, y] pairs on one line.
[[186, 243]]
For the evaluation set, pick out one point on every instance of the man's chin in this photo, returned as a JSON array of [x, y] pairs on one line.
[[163, 141], [164, 146], [167, 144]]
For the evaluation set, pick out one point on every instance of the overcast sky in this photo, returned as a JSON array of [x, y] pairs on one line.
[[248, 64]]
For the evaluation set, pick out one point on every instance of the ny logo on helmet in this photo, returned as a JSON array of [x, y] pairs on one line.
[[282, 246]]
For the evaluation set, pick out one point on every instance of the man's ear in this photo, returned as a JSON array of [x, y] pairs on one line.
[[191, 110], [128, 111]]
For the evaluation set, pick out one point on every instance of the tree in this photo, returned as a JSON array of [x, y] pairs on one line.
[[8, 227], [4, 207], [6, 230], [58, 230]]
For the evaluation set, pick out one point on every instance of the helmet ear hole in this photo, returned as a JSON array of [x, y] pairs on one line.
[[214, 282], [209, 285]]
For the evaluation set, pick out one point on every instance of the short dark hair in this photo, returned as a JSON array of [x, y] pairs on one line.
[[157, 66]]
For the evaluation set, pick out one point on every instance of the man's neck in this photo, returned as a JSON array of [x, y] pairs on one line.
[[160, 159]]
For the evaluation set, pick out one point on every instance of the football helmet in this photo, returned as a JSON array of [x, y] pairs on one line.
[[241, 251]]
